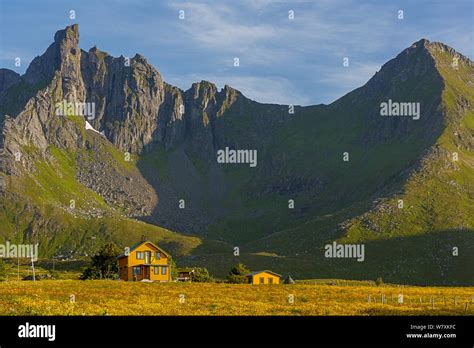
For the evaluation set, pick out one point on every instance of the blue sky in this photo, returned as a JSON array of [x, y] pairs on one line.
[[283, 61]]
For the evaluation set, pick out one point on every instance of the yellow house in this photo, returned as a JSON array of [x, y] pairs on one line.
[[263, 277], [145, 261]]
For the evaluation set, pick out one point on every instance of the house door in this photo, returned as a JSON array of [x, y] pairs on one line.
[[147, 258], [146, 273]]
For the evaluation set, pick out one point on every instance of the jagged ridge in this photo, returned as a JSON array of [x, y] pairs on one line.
[[300, 156]]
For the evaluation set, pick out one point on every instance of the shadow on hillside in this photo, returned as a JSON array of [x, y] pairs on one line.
[[418, 260]]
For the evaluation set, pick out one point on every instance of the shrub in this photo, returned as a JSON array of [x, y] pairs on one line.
[[104, 264], [201, 275], [237, 274]]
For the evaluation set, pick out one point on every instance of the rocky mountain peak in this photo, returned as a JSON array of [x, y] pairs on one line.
[[439, 47], [8, 78], [421, 43], [59, 53], [70, 34], [203, 91], [94, 49], [414, 61], [140, 58]]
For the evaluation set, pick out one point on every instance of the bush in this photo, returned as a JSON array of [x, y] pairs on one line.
[[104, 264], [379, 281], [201, 275], [237, 274]]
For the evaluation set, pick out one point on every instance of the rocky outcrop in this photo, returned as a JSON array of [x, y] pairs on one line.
[[8, 78], [134, 108], [50, 78], [137, 109], [123, 188], [127, 94]]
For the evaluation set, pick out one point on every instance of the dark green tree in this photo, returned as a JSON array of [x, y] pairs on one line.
[[103, 264], [237, 274]]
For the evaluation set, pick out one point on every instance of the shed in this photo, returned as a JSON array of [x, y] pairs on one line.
[[263, 277]]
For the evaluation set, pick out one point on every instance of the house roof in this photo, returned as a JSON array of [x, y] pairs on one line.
[[258, 272], [135, 246]]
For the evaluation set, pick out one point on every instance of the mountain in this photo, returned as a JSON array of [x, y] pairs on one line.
[[147, 164]]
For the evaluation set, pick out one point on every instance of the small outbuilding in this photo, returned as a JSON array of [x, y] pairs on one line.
[[185, 275], [263, 277]]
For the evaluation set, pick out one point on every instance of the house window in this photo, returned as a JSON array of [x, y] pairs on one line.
[[261, 280], [158, 256], [156, 270], [136, 270], [163, 270], [270, 280], [140, 255]]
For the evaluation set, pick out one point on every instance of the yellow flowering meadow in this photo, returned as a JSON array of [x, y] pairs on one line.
[[102, 297]]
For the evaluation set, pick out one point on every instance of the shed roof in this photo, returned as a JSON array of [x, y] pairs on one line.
[[258, 272]]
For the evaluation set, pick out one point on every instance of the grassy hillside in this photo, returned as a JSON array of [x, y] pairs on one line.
[[51, 207], [357, 201], [438, 198]]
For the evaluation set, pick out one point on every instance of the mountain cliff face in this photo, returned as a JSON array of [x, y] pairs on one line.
[[149, 159]]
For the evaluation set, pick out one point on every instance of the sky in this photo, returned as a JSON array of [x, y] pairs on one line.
[[282, 60]]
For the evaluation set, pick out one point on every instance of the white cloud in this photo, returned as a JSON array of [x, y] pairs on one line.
[[219, 26]]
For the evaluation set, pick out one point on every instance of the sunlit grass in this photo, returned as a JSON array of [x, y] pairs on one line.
[[128, 298]]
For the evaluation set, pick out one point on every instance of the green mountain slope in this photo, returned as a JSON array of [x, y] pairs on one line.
[[51, 207], [343, 165], [357, 201]]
